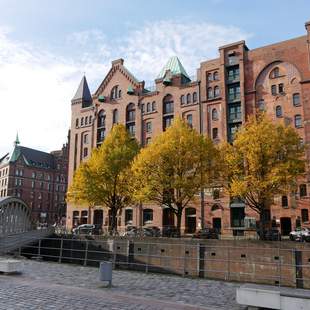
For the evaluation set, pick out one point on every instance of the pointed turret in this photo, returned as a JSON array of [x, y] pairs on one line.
[[83, 94], [16, 142], [175, 67]]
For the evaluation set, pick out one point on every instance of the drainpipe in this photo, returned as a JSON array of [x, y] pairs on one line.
[[202, 193]]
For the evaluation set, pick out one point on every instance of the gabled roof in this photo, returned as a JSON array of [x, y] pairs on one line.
[[117, 65], [83, 91], [174, 66], [32, 157]]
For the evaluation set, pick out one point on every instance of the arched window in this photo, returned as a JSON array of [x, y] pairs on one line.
[[278, 111], [153, 106], [168, 110], [82, 121], [303, 190], [298, 121], [183, 99], [209, 77], [90, 119], [215, 76], [210, 93], [131, 118], [101, 119], [115, 116], [86, 120], [284, 201], [194, 97], [148, 107], [296, 100], [188, 98], [215, 115], [216, 91], [115, 93], [77, 122], [275, 73], [147, 216]]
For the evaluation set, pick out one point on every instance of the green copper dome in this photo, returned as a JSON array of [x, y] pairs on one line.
[[175, 67]]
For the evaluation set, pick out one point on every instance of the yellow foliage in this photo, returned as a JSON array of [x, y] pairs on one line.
[[264, 160]]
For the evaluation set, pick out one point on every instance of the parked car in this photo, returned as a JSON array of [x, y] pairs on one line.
[[300, 234], [85, 229], [170, 231], [131, 231], [273, 234], [152, 231], [206, 233]]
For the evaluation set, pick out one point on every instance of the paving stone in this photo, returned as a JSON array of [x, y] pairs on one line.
[[46, 285]]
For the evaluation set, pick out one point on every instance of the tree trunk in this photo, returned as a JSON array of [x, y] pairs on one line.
[[113, 226], [261, 227], [179, 220]]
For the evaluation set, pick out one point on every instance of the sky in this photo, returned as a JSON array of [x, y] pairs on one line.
[[46, 47]]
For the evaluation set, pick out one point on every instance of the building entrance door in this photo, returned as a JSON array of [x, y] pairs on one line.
[[286, 226], [168, 217], [190, 220], [217, 224], [98, 220]]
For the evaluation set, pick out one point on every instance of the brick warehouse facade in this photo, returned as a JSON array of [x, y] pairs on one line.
[[274, 78], [38, 178]]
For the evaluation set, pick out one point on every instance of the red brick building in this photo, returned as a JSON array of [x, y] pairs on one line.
[[38, 178], [274, 78]]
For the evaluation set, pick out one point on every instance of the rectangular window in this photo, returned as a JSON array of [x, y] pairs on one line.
[[128, 216], [237, 217], [232, 129], [148, 127], [304, 215], [234, 113], [189, 119], [214, 133], [281, 88], [273, 90], [233, 93], [167, 121], [131, 129], [233, 74], [296, 100]]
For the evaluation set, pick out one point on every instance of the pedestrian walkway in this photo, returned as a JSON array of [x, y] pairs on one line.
[[45, 285]]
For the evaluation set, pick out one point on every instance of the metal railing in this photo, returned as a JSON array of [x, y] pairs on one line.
[[265, 263]]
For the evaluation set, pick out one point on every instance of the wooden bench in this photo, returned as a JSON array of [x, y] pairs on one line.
[[264, 296]]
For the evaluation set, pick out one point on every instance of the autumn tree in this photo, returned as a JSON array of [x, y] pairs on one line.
[[108, 174], [171, 170], [83, 189], [264, 160]]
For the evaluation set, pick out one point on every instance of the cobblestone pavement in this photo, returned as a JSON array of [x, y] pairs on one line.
[[46, 285]]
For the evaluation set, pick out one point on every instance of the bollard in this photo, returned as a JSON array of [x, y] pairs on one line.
[[105, 272]]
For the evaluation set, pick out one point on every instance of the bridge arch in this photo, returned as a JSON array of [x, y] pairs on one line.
[[15, 216]]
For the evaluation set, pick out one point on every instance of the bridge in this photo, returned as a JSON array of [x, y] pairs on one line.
[[16, 225]]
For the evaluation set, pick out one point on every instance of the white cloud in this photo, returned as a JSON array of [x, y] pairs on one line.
[[36, 86]]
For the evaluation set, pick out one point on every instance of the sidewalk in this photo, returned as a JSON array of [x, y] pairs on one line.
[[45, 285]]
